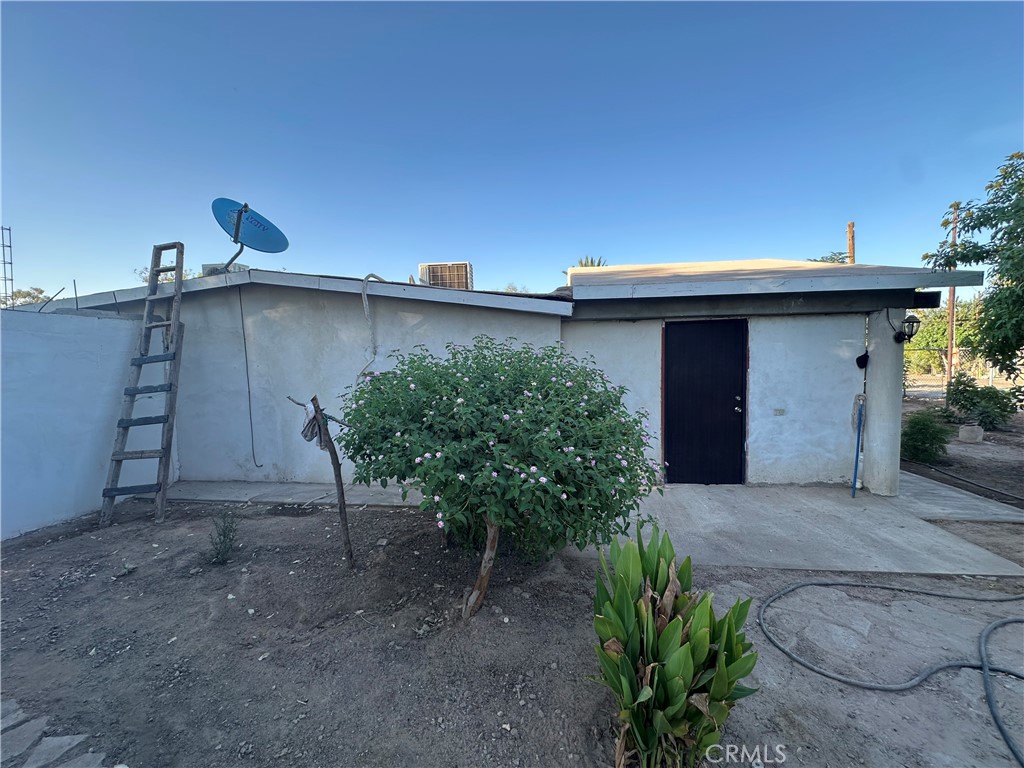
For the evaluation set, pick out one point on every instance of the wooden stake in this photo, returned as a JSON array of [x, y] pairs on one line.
[[951, 306], [850, 257]]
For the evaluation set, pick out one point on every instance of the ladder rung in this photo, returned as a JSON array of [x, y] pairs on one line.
[[130, 490], [155, 453], [159, 324], [162, 270], [141, 421], [149, 389], [153, 359]]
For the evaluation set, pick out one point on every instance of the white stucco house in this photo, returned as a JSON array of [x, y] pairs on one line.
[[748, 368]]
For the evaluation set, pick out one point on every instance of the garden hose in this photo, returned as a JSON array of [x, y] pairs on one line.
[[982, 664], [964, 479]]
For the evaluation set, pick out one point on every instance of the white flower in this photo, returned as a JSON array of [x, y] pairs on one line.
[[543, 479], [438, 498], [522, 475], [412, 386], [398, 434], [461, 476], [578, 459], [564, 497], [533, 469], [419, 459], [427, 455], [494, 474], [623, 463], [505, 417], [460, 400], [622, 479], [438, 515], [440, 523]]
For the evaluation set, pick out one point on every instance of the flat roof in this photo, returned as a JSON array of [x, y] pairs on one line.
[[754, 276], [495, 300]]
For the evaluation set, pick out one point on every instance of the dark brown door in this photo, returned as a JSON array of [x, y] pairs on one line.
[[705, 394]]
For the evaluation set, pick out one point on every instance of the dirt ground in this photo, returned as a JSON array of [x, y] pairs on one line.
[[285, 657], [997, 462]]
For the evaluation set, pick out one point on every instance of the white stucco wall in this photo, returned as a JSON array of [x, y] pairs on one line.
[[629, 352], [62, 383], [884, 406], [299, 343], [802, 382]]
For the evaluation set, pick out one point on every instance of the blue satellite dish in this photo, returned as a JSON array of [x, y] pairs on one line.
[[247, 227]]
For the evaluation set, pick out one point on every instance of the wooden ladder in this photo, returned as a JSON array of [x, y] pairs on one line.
[[174, 333]]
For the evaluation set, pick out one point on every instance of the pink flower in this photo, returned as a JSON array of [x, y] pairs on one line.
[[490, 443], [398, 434], [623, 463], [438, 498], [428, 455], [621, 480], [564, 497], [438, 515], [543, 479], [505, 417], [568, 383], [494, 474], [578, 459], [419, 459], [440, 523], [593, 462], [533, 469], [522, 475]]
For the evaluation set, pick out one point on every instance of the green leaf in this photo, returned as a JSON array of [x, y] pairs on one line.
[[685, 575], [739, 616], [699, 644], [720, 682], [604, 628], [742, 667], [601, 595], [645, 693], [669, 641], [740, 692], [609, 671], [680, 664], [628, 568], [661, 724]]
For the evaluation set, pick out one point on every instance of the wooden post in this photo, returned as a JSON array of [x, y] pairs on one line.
[[850, 257], [346, 541], [951, 306]]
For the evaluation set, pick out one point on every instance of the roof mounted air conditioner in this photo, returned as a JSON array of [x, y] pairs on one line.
[[448, 274]]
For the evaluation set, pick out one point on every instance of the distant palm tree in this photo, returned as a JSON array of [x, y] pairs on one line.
[[589, 261]]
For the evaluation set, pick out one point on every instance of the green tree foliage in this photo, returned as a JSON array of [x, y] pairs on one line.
[[530, 442], [588, 261], [926, 352], [992, 234], [165, 277], [24, 296], [835, 257], [924, 437]]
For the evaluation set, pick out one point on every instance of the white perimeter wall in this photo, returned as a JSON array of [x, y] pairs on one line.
[[299, 343], [63, 378], [802, 381], [629, 352]]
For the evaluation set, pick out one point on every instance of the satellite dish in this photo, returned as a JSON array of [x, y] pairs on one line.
[[247, 228]]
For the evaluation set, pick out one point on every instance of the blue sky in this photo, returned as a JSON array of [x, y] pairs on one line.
[[518, 136]]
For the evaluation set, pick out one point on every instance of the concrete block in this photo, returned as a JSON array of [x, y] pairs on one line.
[[19, 739], [971, 433], [50, 749]]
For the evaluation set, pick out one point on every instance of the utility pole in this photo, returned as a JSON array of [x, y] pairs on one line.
[[951, 305], [850, 258]]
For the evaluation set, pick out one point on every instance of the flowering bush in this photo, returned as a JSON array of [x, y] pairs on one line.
[[528, 441]]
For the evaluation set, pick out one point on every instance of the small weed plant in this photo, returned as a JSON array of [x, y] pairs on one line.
[[674, 668], [223, 540], [533, 443], [925, 436]]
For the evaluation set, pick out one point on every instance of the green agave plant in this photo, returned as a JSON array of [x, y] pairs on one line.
[[673, 666]]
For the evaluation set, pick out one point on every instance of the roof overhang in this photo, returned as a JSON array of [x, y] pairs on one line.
[[513, 303], [753, 277]]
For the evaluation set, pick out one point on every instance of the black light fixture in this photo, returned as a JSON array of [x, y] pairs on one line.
[[910, 327]]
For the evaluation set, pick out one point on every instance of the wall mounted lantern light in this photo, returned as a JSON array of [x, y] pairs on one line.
[[909, 329]]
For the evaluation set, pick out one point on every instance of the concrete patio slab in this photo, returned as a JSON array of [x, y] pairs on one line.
[[799, 527], [930, 500]]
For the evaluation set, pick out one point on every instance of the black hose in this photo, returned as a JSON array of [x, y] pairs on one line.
[[964, 479], [983, 665]]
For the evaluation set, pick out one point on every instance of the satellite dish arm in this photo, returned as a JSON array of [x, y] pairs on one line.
[[238, 229]]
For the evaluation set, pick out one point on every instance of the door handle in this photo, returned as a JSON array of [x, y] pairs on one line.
[[738, 409]]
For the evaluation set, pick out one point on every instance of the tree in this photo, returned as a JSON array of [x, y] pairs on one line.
[[928, 347], [513, 288], [531, 442], [835, 257], [1000, 217], [165, 277], [24, 296], [588, 261]]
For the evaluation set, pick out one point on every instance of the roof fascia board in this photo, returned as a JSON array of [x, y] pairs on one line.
[[796, 284]]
